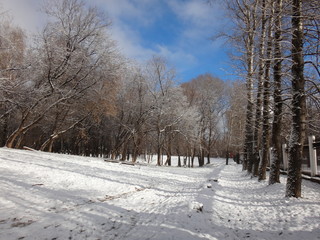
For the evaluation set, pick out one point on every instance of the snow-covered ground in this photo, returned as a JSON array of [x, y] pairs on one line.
[[52, 196]]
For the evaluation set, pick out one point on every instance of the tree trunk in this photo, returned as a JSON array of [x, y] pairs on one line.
[[251, 25], [257, 128], [113, 154], [12, 138], [169, 149], [293, 187], [192, 157], [201, 157], [266, 105], [276, 151], [124, 150], [179, 158], [227, 158], [4, 131], [245, 158], [48, 143], [250, 106], [20, 140], [209, 145], [159, 149], [136, 147]]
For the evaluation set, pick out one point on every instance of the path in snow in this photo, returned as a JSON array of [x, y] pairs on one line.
[[52, 196], [254, 210]]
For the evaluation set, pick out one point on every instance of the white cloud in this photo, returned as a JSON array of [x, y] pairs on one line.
[[176, 56], [127, 16], [140, 11], [198, 21], [200, 18], [129, 42], [25, 13]]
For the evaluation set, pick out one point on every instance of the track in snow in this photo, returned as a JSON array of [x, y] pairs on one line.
[[52, 196]]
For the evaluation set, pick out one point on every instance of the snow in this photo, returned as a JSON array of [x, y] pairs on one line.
[[55, 196]]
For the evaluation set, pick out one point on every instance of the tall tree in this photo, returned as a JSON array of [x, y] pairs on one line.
[[12, 66], [276, 155], [72, 49], [160, 83], [245, 13], [254, 164], [266, 98], [208, 95], [235, 116], [293, 186]]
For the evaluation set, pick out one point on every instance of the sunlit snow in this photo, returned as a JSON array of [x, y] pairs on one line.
[[55, 196]]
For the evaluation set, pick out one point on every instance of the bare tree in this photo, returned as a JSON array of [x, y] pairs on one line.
[[276, 148], [236, 116], [208, 95], [254, 164], [160, 83], [293, 187], [245, 16], [12, 57], [266, 99], [70, 51]]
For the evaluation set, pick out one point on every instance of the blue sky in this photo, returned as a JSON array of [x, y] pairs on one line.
[[178, 30]]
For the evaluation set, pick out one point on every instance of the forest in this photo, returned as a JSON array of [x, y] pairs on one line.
[[280, 58], [72, 91], [69, 89]]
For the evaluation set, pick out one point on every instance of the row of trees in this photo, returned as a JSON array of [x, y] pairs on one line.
[[158, 116], [279, 46], [71, 91]]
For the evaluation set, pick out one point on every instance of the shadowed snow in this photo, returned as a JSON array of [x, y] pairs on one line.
[[55, 196]]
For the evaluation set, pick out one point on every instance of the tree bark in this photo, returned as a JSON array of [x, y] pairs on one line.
[[293, 187], [249, 119], [159, 148], [4, 130], [250, 48], [258, 116], [169, 147], [276, 151], [266, 104]]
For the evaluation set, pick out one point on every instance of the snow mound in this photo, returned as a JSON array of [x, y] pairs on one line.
[[196, 206]]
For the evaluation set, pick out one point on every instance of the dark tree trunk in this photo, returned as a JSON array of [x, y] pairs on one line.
[[249, 117], [251, 24], [179, 158], [4, 130], [169, 152], [136, 146], [192, 157], [293, 187], [258, 118], [266, 105], [201, 158], [245, 159], [238, 158], [159, 148], [227, 158], [276, 151], [124, 150]]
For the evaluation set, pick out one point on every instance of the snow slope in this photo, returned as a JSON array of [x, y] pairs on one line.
[[53, 196]]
